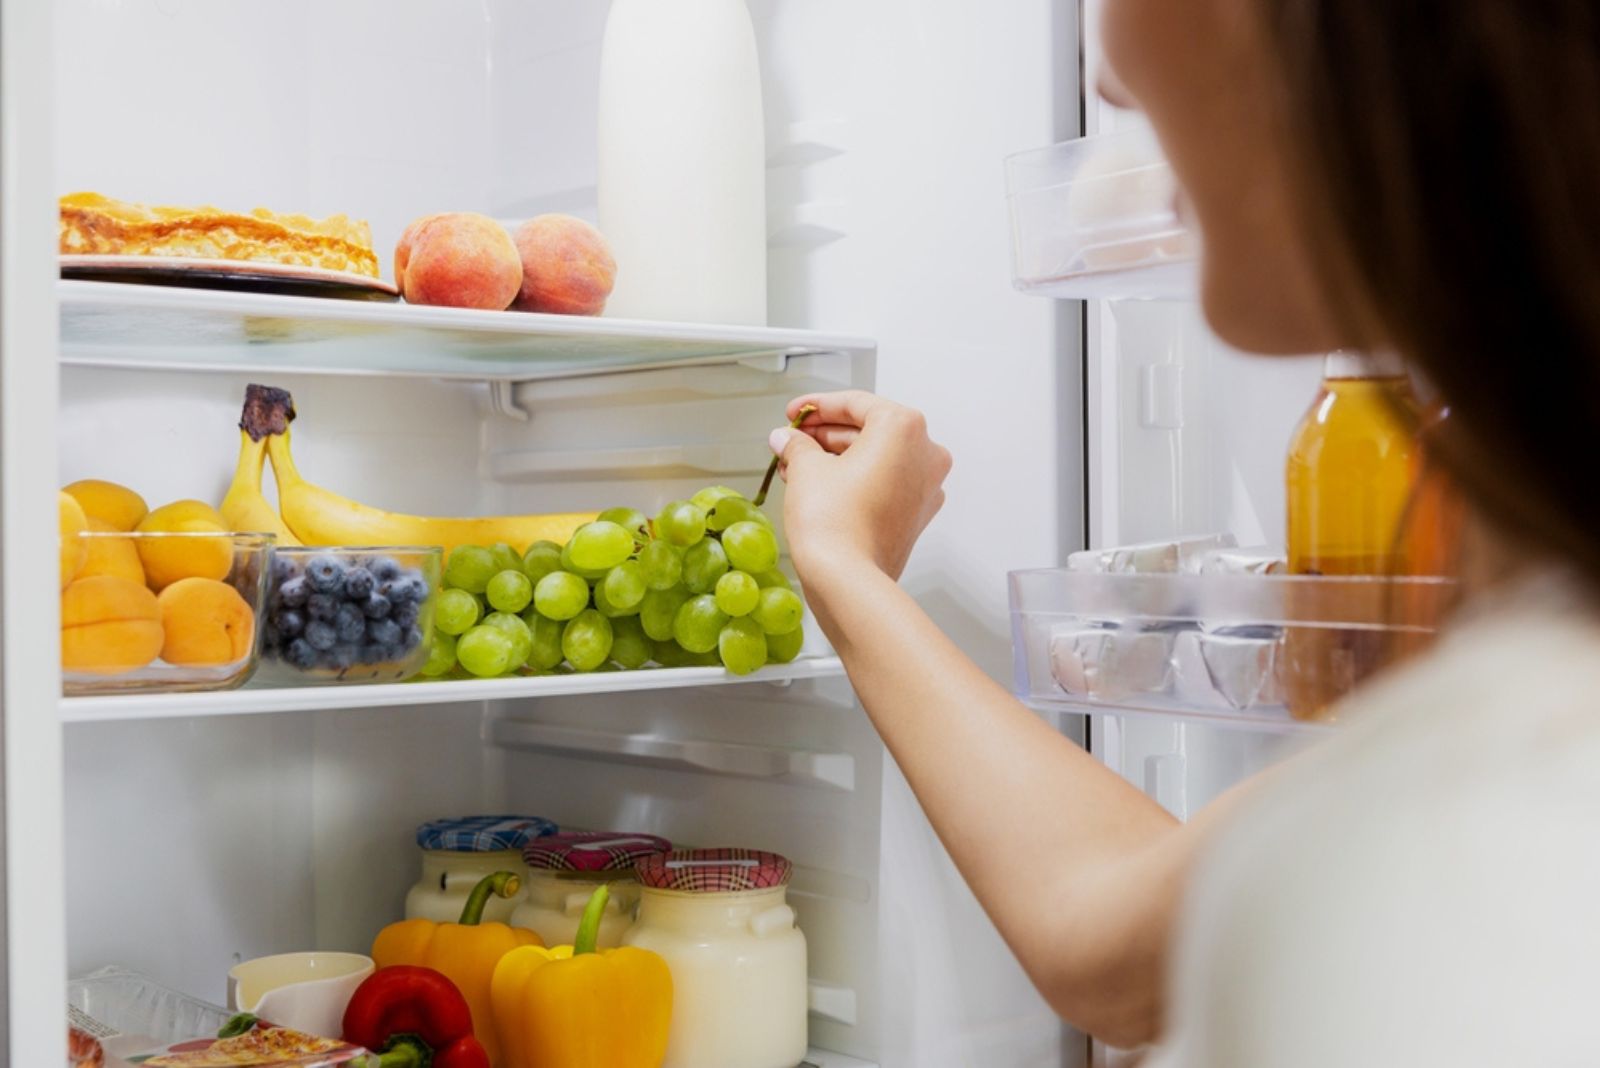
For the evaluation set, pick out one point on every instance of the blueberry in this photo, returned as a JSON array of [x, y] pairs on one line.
[[321, 635], [376, 607], [288, 621], [339, 658], [384, 632], [413, 639], [293, 592], [405, 614], [372, 653], [322, 606], [393, 653], [358, 584], [385, 569], [325, 573], [350, 623], [300, 654], [283, 569]]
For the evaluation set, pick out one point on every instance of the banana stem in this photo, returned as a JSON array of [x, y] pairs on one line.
[[267, 411], [772, 468]]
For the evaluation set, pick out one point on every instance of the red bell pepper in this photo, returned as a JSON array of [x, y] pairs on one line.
[[415, 1018]]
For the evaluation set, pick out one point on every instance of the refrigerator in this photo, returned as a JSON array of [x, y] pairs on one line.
[[178, 835]]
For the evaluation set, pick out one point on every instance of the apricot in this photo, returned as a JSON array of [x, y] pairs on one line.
[[117, 505], [460, 259], [567, 268], [109, 625], [166, 560], [206, 623], [109, 555], [71, 522]]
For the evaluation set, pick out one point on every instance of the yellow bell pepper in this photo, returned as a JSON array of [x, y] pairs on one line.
[[466, 952], [574, 1007]]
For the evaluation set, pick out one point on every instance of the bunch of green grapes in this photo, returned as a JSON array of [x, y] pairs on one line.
[[696, 586]]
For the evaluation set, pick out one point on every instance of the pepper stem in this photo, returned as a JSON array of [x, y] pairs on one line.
[[772, 468], [403, 1051], [238, 1024], [589, 927], [500, 884]]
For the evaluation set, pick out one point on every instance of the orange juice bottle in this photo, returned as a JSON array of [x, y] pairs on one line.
[[1437, 515], [1351, 473]]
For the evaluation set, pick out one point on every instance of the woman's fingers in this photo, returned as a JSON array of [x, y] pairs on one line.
[[834, 437], [850, 407]]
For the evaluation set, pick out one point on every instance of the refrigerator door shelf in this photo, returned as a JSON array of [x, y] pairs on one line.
[[1097, 217], [105, 324], [1236, 650]]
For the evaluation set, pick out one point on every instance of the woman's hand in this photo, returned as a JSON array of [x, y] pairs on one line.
[[864, 481]]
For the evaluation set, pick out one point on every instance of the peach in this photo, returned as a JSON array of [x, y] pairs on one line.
[[110, 556], [109, 625], [460, 259], [206, 623], [70, 522], [567, 268], [166, 560], [116, 505]]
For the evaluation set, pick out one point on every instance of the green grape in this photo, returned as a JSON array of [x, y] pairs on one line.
[[778, 611], [509, 591], [742, 645], [624, 585], [730, 510], [600, 545], [751, 546], [737, 593], [698, 623], [571, 565], [441, 656], [586, 641], [455, 612], [545, 652], [513, 627], [470, 568], [505, 557], [485, 651], [541, 558], [560, 595], [704, 563], [630, 519], [659, 610], [773, 578], [630, 647], [711, 495], [782, 648], [662, 565], [608, 608], [668, 653], [681, 523]]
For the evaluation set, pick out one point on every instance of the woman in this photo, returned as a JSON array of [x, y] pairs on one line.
[[1417, 176]]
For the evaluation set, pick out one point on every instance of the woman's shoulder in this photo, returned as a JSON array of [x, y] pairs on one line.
[[1422, 886]]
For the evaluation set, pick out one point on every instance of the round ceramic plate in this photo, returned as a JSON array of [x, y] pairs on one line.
[[254, 275]]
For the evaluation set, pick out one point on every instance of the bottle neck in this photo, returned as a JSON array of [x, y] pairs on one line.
[[1344, 364]]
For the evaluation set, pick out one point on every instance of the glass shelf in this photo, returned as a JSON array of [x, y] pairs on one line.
[[108, 324]]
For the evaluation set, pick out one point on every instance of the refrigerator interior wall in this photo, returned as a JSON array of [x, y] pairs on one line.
[[886, 125]]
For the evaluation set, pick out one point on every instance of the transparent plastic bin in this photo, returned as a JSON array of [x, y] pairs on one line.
[[126, 1003], [1097, 218], [1246, 649]]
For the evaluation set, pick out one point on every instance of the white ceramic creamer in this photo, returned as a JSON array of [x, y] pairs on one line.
[[682, 141], [457, 853], [719, 918]]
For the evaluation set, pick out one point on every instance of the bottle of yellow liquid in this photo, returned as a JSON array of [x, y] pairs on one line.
[[1351, 473]]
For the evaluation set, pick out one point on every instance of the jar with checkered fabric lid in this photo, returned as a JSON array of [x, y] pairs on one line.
[[460, 851], [721, 920], [565, 869]]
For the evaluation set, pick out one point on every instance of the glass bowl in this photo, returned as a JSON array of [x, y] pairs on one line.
[[349, 614], [164, 611]]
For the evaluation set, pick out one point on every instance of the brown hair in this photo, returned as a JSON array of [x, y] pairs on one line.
[[1450, 150]]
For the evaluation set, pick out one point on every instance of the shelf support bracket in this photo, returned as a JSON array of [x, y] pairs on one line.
[[775, 362], [503, 401]]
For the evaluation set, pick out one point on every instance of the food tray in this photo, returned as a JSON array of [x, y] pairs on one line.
[[128, 1003], [1242, 646], [1097, 217]]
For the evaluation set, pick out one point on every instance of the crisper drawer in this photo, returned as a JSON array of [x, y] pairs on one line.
[[1259, 650]]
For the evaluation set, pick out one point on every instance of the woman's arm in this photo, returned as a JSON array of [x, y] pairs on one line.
[[1098, 861]]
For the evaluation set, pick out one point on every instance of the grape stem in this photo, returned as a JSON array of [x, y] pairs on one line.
[[772, 468]]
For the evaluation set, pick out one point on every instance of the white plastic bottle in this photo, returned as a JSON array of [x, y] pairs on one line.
[[683, 162]]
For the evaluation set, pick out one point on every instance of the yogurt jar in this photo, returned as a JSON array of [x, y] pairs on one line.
[[720, 919], [457, 853], [565, 869]]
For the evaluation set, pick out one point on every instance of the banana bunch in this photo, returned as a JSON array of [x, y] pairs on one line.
[[307, 514]]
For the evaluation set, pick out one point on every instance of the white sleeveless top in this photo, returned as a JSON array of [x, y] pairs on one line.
[[1425, 889]]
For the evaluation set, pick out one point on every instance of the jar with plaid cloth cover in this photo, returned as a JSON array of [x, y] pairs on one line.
[[721, 920], [565, 869], [458, 852]]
